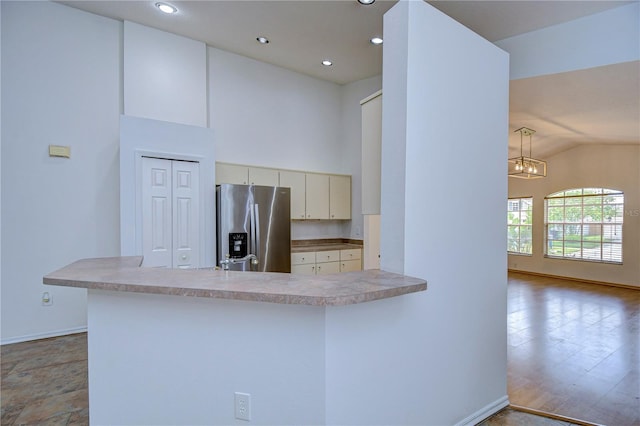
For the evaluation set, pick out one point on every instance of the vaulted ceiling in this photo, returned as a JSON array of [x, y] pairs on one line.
[[598, 105]]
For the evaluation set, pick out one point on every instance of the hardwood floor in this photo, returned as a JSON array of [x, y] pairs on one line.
[[573, 350]]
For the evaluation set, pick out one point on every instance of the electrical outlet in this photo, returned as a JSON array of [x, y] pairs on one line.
[[47, 300], [243, 406]]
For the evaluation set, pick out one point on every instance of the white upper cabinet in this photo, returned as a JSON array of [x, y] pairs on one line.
[[232, 173], [297, 182], [339, 197], [317, 196], [261, 176], [313, 195]]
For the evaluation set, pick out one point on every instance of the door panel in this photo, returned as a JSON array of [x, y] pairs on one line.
[[156, 212], [185, 214]]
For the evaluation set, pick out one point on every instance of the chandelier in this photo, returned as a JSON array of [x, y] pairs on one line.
[[526, 167]]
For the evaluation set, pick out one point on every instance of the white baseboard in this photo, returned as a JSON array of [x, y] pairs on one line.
[[46, 335], [485, 412]]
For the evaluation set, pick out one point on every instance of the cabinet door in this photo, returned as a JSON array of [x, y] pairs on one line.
[[265, 177], [295, 181], [350, 265], [327, 268], [371, 153], [317, 196], [232, 173], [306, 269], [339, 197]]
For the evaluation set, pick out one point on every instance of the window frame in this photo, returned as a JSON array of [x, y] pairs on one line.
[[520, 226], [574, 200]]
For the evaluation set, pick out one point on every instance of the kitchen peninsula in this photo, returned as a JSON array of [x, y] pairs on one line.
[[171, 346]]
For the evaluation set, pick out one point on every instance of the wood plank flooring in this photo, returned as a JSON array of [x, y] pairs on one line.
[[573, 350]]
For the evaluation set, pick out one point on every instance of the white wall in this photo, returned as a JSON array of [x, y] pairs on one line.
[[592, 166], [61, 85], [268, 116], [165, 76], [604, 38], [454, 369], [207, 350]]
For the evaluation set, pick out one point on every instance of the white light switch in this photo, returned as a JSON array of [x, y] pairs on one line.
[[59, 151]]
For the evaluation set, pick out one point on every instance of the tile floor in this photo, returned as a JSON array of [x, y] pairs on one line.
[[573, 350], [44, 382]]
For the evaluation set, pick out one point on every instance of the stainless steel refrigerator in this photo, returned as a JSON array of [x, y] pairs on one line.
[[253, 228]]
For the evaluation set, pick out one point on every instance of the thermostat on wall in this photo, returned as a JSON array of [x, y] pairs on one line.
[[59, 151]]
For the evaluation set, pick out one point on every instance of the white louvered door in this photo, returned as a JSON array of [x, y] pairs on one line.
[[170, 206]]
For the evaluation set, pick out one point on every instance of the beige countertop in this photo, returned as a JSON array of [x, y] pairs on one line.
[[125, 274]]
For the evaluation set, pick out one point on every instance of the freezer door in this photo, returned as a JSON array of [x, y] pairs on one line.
[[254, 220]]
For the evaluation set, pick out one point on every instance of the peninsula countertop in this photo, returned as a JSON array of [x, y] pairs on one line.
[[125, 274]]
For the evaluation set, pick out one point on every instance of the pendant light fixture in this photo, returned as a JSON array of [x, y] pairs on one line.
[[526, 167]]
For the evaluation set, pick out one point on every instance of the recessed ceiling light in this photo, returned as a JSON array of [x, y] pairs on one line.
[[262, 40], [327, 63], [166, 8], [376, 40], [366, 2]]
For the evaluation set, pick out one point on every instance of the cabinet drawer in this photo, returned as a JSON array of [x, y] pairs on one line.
[[309, 269], [350, 265], [303, 258], [327, 256], [351, 254], [327, 268]]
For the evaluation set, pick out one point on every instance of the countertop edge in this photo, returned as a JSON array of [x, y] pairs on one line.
[[124, 274]]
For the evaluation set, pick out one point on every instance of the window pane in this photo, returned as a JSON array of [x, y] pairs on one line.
[[592, 191], [555, 201], [518, 225], [612, 252], [555, 214], [594, 199], [573, 214], [525, 239]]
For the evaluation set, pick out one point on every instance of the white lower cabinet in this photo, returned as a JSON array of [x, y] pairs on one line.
[[350, 260], [326, 262], [350, 265], [327, 268]]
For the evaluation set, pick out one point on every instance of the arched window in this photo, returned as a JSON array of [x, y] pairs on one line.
[[584, 224]]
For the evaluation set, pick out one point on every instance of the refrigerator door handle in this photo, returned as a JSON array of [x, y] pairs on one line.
[[252, 230], [256, 247]]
